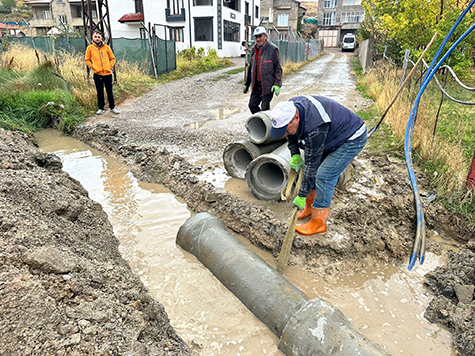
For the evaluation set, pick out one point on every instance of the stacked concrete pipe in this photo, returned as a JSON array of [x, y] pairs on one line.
[[304, 326], [238, 155], [258, 126], [262, 160]]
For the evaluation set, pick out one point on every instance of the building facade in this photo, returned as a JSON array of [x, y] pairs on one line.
[[336, 18], [281, 17], [51, 17], [210, 24]]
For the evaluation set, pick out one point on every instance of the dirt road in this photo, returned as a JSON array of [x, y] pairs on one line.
[[197, 117]]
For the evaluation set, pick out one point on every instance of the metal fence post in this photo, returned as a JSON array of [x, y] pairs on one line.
[[404, 66]]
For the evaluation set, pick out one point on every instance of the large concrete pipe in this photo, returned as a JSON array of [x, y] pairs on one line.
[[238, 155], [258, 126], [305, 327], [267, 175]]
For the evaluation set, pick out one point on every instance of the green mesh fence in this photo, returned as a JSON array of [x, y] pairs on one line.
[[165, 63], [295, 51], [125, 49]]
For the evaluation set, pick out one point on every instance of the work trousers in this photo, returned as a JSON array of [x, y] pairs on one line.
[[102, 81], [330, 169], [257, 98]]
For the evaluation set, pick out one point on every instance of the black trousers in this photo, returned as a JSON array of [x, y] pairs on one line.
[[102, 81], [257, 98]]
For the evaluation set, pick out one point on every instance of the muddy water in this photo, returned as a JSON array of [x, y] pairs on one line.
[[385, 303]]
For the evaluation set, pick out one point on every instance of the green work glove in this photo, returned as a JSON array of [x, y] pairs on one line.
[[245, 89], [296, 162], [276, 90], [299, 202]]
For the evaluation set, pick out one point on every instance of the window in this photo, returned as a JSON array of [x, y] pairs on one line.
[[60, 1], [329, 4], [232, 4], [328, 18], [282, 20], [246, 8], [352, 16], [62, 19], [348, 2], [175, 6], [47, 15], [138, 6], [203, 2], [231, 31], [257, 12], [204, 29], [176, 34], [76, 12]]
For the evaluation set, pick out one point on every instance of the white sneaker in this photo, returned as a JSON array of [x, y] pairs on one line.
[[115, 111], [99, 112]]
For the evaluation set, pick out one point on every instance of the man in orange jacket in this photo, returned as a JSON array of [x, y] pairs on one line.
[[101, 60]]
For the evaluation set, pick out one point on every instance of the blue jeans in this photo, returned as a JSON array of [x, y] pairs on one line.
[[330, 169]]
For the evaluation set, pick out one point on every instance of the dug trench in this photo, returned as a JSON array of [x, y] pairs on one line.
[[372, 220], [67, 290]]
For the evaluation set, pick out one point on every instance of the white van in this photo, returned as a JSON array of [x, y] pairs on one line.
[[348, 43]]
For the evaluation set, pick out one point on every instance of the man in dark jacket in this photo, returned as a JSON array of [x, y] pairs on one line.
[[264, 73], [333, 136]]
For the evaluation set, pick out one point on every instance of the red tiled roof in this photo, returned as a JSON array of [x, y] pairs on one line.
[[2, 25], [134, 17]]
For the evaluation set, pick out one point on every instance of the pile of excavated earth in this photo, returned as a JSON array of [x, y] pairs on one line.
[[66, 290]]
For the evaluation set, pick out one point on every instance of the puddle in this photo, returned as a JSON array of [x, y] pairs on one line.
[[385, 303], [219, 114]]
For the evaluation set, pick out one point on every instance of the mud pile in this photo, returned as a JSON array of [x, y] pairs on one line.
[[64, 287]]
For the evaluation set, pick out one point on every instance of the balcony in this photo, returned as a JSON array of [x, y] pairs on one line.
[[175, 17], [41, 23]]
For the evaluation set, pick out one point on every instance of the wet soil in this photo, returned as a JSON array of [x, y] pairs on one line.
[[175, 135], [64, 286]]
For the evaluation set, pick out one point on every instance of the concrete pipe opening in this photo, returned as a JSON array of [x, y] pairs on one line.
[[238, 155], [258, 126], [236, 158], [267, 175], [266, 178]]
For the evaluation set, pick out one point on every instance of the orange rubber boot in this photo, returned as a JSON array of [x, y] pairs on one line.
[[307, 211], [317, 224]]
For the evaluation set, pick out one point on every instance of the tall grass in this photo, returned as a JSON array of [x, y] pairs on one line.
[[36, 79], [445, 155]]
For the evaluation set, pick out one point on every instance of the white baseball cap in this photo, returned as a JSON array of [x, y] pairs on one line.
[[281, 115], [260, 31]]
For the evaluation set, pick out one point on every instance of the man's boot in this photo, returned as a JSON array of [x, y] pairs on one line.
[[307, 211], [317, 224]]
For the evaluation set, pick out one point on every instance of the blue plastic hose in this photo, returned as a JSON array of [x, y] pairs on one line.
[[419, 242]]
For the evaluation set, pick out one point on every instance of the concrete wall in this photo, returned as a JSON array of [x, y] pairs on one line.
[[365, 54]]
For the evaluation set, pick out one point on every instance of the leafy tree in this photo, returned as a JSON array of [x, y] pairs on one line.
[[410, 24], [7, 5]]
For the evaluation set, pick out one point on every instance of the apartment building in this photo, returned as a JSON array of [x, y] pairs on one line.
[[281, 17], [336, 18], [215, 24], [55, 16]]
